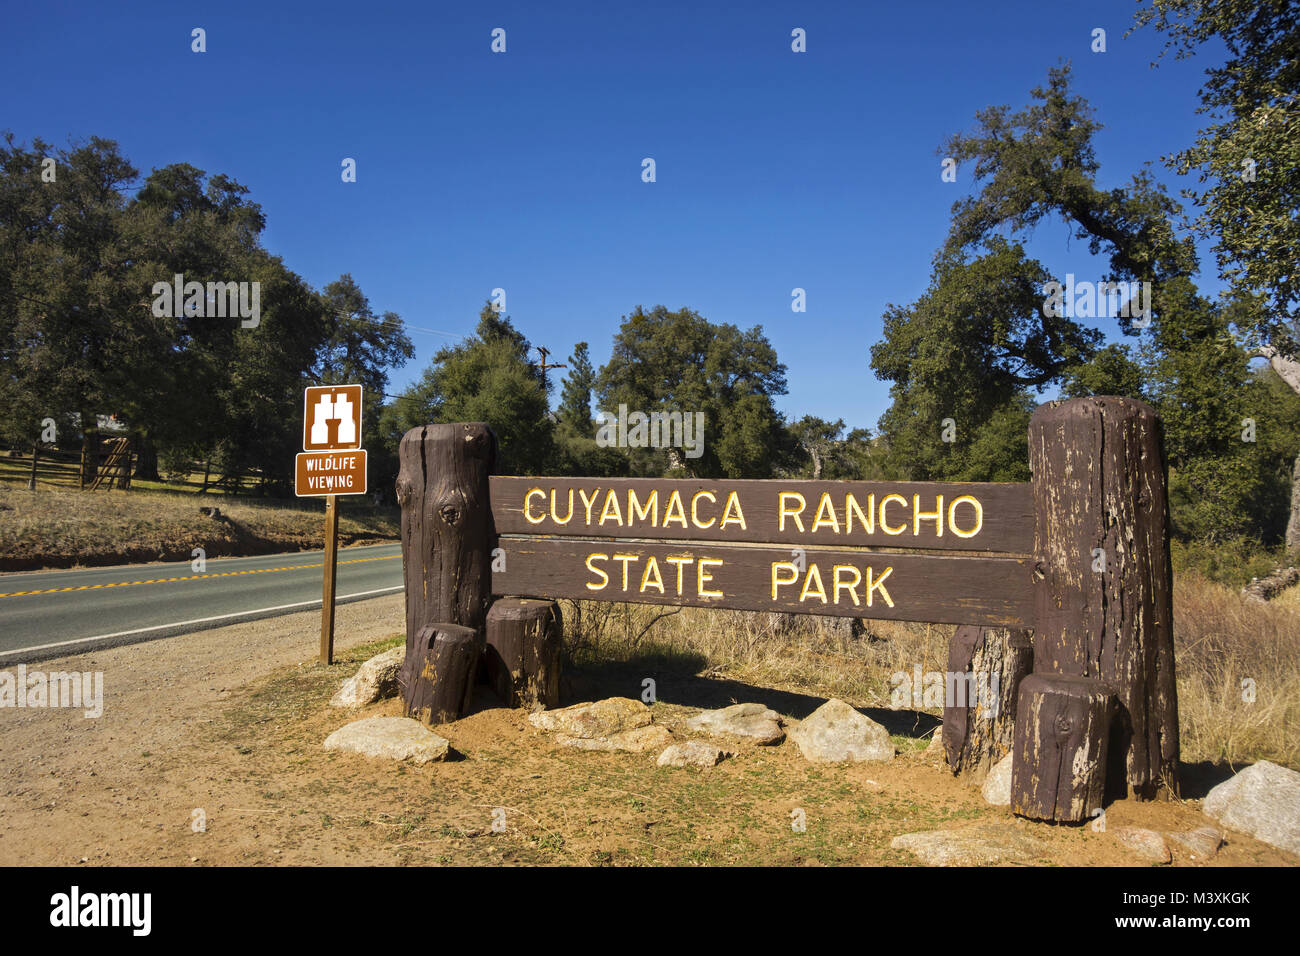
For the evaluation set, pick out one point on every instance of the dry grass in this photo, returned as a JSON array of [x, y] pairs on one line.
[[1220, 641], [57, 527]]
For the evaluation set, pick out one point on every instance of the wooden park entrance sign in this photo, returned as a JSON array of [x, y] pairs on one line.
[[1063, 581]]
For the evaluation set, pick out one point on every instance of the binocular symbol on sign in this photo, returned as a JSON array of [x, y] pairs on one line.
[[333, 407]]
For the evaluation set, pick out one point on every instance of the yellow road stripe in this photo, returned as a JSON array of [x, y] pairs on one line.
[[193, 577]]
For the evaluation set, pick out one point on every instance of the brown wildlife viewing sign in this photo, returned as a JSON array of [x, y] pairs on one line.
[[1071, 569], [332, 463]]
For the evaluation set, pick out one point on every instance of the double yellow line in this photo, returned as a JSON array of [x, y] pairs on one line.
[[193, 577]]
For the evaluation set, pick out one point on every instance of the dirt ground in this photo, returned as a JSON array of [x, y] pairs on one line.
[[225, 726]]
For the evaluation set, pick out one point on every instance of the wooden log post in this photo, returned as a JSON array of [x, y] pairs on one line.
[[436, 678], [979, 718], [522, 659], [1103, 597], [1058, 764], [447, 536]]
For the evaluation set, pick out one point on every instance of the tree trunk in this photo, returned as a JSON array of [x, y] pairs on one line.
[[89, 448], [1288, 369], [979, 722], [146, 460], [447, 532], [522, 658], [1104, 598], [36, 454], [1293, 522]]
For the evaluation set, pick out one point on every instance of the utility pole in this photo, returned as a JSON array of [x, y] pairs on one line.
[[543, 366]]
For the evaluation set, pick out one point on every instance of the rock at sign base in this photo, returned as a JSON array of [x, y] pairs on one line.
[[835, 732], [970, 846], [604, 718], [397, 738], [1264, 801], [1148, 844], [750, 721], [692, 753], [375, 680], [1200, 844], [997, 785], [636, 740]]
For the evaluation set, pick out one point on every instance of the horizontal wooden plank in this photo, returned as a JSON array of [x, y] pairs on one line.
[[940, 589], [976, 516]]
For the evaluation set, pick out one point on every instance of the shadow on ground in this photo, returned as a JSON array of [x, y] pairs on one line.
[[678, 681], [1195, 780]]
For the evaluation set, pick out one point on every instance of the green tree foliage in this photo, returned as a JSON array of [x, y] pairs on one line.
[[1225, 484], [79, 256], [818, 442], [817, 449], [679, 361], [1248, 157], [1039, 163], [575, 399], [576, 450], [1111, 371], [486, 378], [359, 348], [970, 350]]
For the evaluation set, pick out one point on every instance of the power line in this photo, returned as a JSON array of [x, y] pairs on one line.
[[383, 319]]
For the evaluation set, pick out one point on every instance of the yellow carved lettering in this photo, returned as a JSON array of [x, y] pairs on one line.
[[825, 507], [733, 500], [868, 520], [652, 567], [681, 561], [625, 560], [582, 493], [784, 511], [635, 511], [857, 579], [879, 584], [936, 515], [695, 505], [703, 578], [604, 578], [979, 517], [813, 575], [675, 500], [776, 578], [611, 509], [884, 525], [528, 514], [554, 516]]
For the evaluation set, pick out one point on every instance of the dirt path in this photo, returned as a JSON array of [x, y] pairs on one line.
[[230, 722]]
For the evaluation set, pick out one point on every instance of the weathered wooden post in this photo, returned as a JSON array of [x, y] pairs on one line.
[[437, 675], [442, 486], [1058, 768], [522, 661], [979, 725], [330, 579], [1104, 588]]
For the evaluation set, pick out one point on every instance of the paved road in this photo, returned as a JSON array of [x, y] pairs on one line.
[[50, 613]]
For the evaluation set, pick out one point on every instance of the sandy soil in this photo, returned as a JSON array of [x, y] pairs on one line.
[[230, 722]]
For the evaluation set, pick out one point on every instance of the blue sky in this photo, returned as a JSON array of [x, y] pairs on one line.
[[522, 170]]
